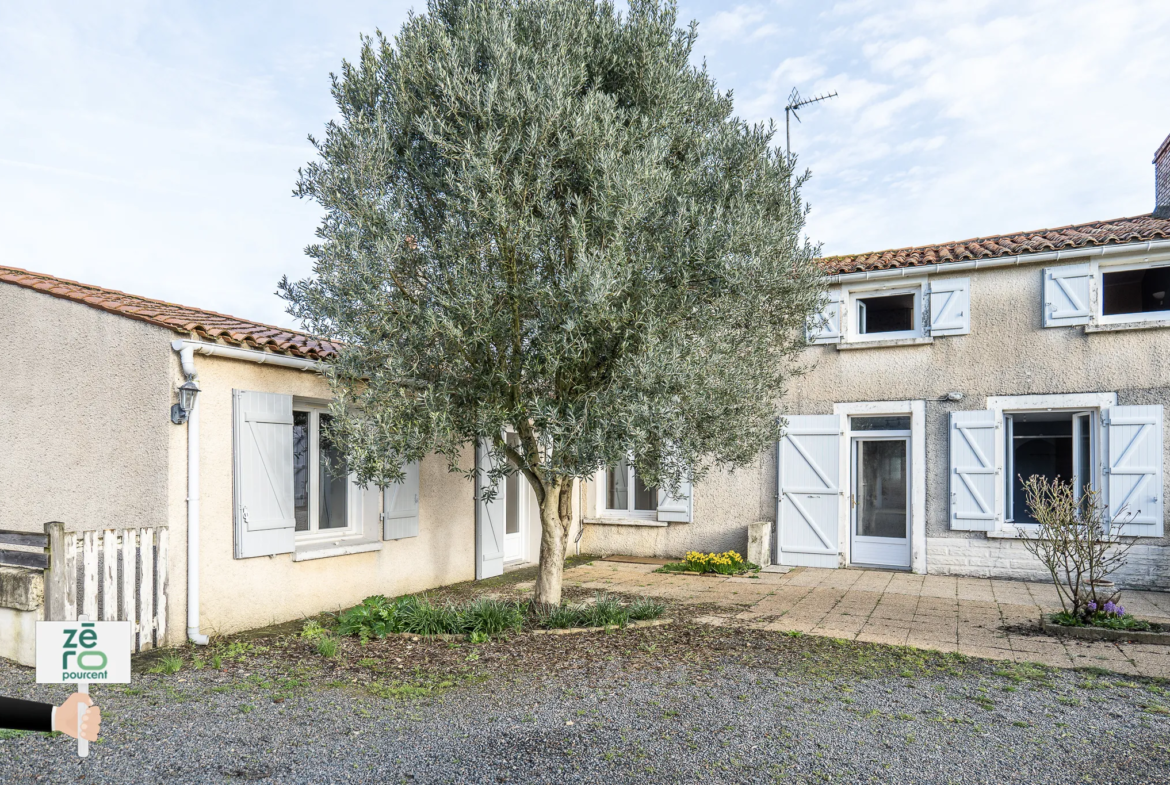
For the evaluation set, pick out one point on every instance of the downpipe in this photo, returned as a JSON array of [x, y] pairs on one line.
[[187, 361]]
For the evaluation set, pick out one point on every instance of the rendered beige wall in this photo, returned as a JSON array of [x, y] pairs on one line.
[[84, 424], [239, 594], [1008, 352]]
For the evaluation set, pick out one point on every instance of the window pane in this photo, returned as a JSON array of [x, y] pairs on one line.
[[882, 493], [1042, 444], [1084, 454], [895, 423], [301, 470], [334, 483], [1136, 291], [645, 498], [511, 503], [888, 314], [617, 495]]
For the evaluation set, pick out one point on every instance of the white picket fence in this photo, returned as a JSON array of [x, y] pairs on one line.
[[109, 575]]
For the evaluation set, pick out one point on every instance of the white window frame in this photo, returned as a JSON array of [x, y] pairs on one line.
[[1073, 403], [850, 311], [605, 511], [1098, 269], [353, 509]]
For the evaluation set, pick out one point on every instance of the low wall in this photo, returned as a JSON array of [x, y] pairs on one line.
[[22, 604], [1147, 566]]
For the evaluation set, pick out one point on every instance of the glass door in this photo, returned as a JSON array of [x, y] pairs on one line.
[[880, 502]]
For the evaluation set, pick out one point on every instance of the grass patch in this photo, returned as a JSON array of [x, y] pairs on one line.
[[168, 664], [327, 646]]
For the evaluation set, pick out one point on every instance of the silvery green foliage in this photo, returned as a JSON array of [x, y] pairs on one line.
[[540, 216]]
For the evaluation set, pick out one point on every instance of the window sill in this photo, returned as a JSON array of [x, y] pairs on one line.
[[1009, 532], [324, 550], [626, 522], [1141, 324], [855, 344]]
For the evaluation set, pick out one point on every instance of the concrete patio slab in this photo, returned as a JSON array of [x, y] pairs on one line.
[[978, 617]]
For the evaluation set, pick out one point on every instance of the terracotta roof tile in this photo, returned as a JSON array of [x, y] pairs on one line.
[[179, 318], [1122, 230]]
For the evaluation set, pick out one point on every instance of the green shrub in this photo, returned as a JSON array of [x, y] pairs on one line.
[[312, 630], [422, 617], [492, 617], [560, 617], [644, 608], [606, 611]]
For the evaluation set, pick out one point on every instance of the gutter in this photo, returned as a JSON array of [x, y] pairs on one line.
[[187, 350], [1001, 261]]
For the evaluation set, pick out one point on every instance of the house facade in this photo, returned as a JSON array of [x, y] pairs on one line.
[[260, 528], [940, 376]]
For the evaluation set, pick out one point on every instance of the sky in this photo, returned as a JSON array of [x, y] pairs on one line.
[[153, 147]]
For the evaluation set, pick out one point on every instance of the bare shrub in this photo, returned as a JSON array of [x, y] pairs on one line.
[[1074, 543]]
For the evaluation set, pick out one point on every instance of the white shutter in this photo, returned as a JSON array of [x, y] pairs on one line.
[[490, 520], [950, 306], [808, 470], [263, 451], [1133, 469], [826, 327], [400, 506], [1066, 295], [974, 480], [676, 508]]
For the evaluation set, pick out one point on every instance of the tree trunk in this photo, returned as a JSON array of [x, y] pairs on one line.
[[555, 521]]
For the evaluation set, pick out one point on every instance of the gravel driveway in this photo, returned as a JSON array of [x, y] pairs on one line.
[[758, 707]]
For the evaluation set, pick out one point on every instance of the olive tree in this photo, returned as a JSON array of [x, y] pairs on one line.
[[541, 218]]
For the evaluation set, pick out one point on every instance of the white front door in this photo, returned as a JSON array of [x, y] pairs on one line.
[[880, 502]]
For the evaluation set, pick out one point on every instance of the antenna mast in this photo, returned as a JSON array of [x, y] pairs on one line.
[[796, 102]]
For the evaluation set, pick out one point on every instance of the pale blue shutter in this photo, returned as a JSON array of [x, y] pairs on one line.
[[676, 508], [1066, 295], [808, 468], [490, 519], [973, 473], [262, 439], [826, 326], [400, 506], [950, 306], [1133, 469]]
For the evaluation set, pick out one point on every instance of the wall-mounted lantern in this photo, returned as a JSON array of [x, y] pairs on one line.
[[181, 410]]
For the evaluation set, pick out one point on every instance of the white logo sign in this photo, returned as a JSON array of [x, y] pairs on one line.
[[97, 652]]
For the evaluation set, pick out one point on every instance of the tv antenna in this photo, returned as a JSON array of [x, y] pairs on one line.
[[796, 102]]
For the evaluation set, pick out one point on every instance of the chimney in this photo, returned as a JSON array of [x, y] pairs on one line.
[[1162, 180]]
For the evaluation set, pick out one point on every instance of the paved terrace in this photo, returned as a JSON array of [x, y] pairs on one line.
[[974, 616]]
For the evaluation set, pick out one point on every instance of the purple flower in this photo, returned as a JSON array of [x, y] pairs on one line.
[[1093, 606], [1110, 607], [1120, 610]]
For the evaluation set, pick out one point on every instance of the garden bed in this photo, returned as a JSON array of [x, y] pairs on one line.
[[1157, 634], [485, 618], [722, 565]]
